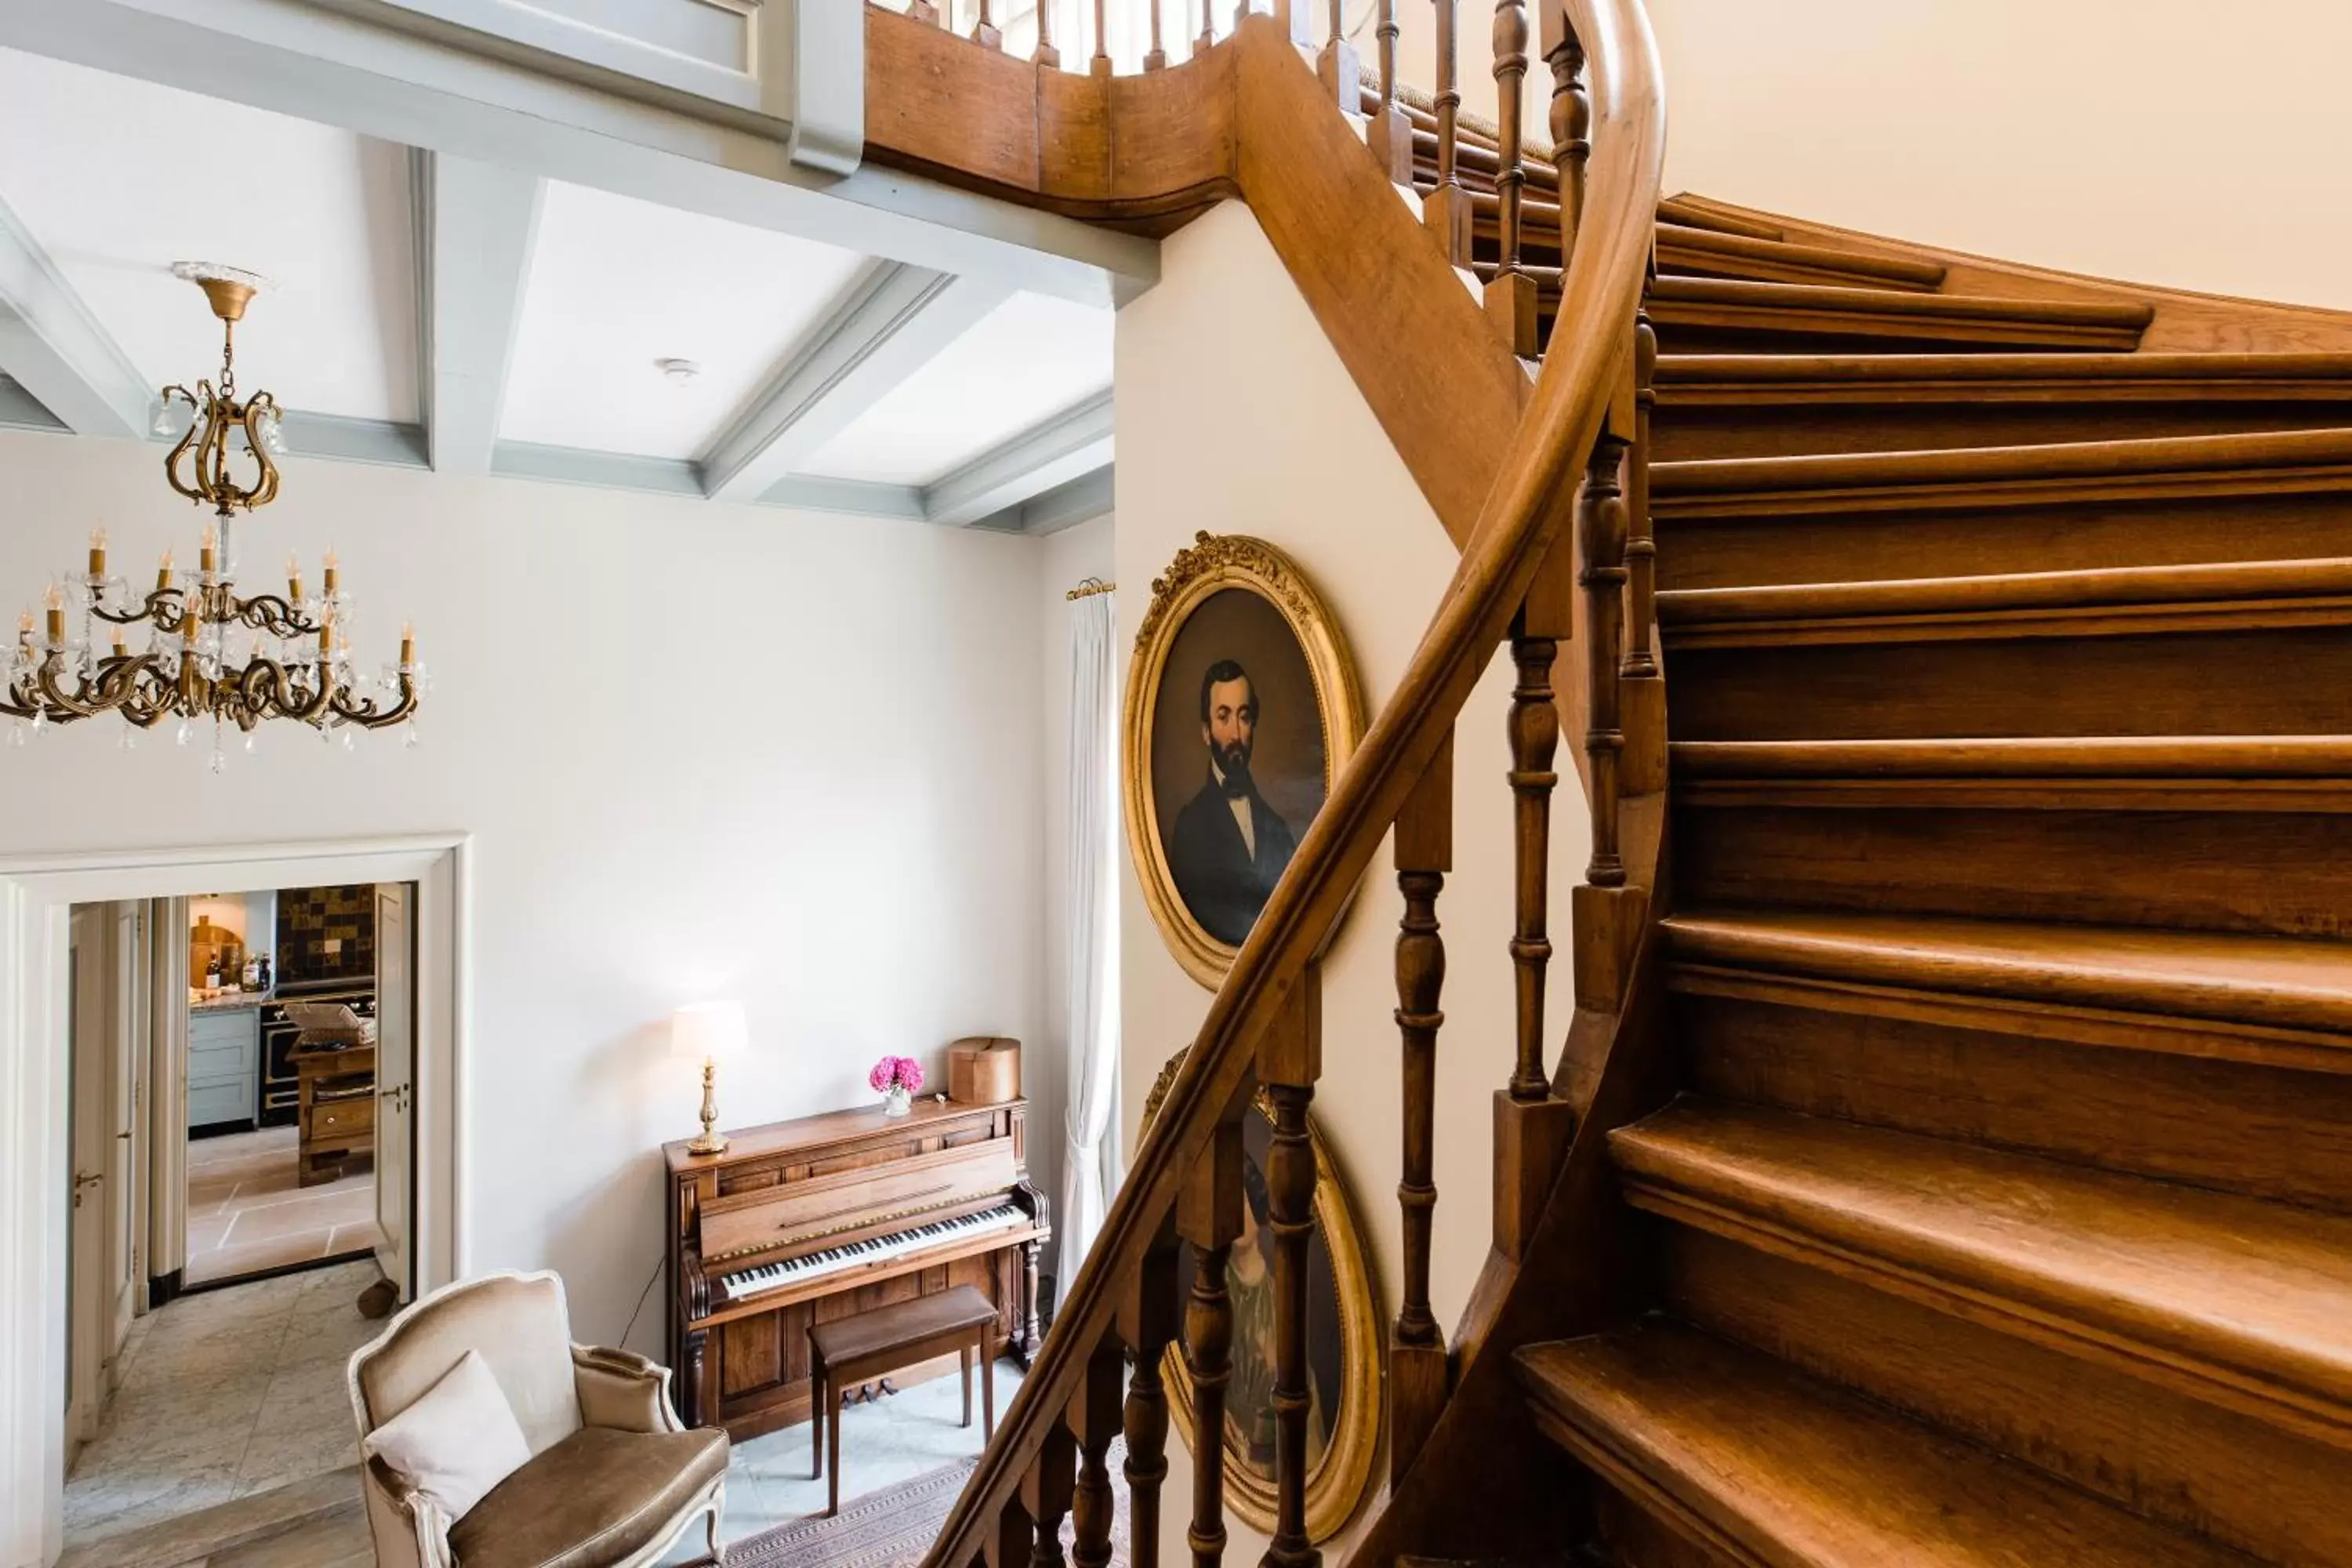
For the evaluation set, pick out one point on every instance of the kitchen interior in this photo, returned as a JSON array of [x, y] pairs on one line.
[[282, 1082]]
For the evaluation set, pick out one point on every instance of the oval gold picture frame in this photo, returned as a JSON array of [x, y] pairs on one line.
[[1210, 565], [1339, 1482]]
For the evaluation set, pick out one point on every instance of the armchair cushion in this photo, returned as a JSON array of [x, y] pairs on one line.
[[456, 1442], [620, 1389], [594, 1498]]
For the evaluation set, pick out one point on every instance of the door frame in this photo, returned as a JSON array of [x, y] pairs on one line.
[[38, 893]]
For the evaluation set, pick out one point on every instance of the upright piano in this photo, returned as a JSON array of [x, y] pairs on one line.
[[802, 1222]]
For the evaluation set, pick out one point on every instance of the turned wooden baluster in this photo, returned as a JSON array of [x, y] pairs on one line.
[[988, 35], [1208, 37], [1642, 766], [1341, 73], [1209, 1215], [1511, 293], [1447, 209], [1156, 57], [923, 11], [1095, 1417], [1100, 64], [1390, 133], [1571, 120], [1047, 1491], [1424, 854], [1047, 55], [1600, 521], [1146, 1322], [1008, 1545], [1289, 1063], [1534, 729]]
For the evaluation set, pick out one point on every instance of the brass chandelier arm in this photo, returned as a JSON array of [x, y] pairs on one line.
[[195, 433], [367, 715], [270, 612], [256, 441], [164, 607]]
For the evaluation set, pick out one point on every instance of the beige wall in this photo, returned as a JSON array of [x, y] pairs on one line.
[[1235, 415], [703, 750], [2152, 140]]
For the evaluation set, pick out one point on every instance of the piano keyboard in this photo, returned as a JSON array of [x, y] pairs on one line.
[[872, 1250]]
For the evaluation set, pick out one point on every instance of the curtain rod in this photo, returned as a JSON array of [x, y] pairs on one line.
[[1091, 587]]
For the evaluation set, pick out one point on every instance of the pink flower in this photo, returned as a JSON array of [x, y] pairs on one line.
[[884, 1070], [910, 1075]]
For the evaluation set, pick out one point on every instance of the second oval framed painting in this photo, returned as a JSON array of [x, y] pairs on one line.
[[1241, 707]]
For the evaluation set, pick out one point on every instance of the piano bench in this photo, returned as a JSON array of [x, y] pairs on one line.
[[848, 1351]]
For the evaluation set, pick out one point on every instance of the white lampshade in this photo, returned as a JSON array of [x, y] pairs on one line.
[[707, 1029]]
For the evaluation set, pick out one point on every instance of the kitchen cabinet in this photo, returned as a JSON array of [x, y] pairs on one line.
[[224, 1067]]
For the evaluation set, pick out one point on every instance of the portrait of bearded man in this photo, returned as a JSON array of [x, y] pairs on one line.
[[1229, 847]]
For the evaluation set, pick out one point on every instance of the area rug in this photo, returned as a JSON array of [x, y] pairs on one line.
[[895, 1527]]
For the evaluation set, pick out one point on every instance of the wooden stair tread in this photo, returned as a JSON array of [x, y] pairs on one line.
[[2032, 757], [1668, 292], [2229, 977], [1978, 477], [1766, 1466], [2238, 1301], [1887, 270], [2119, 600], [1691, 214], [2031, 377]]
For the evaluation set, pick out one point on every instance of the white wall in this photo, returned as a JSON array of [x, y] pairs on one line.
[[2160, 142], [1310, 470], [1071, 556], [703, 751]]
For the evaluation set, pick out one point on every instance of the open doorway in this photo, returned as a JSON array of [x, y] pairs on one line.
[[242, 1093]]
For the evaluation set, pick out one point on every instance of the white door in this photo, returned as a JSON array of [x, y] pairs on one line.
[[126, 1047], [86, 1293], [167, 1094], [395, 1075]]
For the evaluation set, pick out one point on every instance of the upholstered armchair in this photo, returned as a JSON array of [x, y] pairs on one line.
[[613, 1479]]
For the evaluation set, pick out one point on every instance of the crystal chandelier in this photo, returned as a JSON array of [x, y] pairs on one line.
[[210, 654]]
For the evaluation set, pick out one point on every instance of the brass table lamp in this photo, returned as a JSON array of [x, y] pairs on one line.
[[709, 1030]]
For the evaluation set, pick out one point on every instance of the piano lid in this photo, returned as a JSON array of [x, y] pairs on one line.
[[736, 1224]]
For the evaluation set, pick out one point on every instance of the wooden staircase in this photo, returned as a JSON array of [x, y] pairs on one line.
[[1948, 1159], [2000, 1207]]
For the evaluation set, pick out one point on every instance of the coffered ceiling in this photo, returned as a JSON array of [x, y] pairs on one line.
[[436, 310]]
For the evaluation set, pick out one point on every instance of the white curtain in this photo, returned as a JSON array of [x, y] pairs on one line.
[[1091, 1168]]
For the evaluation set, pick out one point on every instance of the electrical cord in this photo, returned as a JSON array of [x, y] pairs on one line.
[[624, 1341]]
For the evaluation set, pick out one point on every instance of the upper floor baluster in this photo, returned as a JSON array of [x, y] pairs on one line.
[[1446, 209], [1511, 293], [1571, 121], [1390, 133]]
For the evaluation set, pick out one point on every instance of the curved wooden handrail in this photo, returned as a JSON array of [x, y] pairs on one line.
[[1527, 507]]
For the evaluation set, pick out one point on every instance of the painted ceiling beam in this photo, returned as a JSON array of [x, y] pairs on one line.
[[891, 323], [405, 75], [475, 228], [1066, 505], [1073, 443], [53, 347]]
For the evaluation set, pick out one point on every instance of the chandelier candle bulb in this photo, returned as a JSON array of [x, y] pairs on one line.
[[294, 580], [407, 645], [163, 572], [330, 574], [96, 554]]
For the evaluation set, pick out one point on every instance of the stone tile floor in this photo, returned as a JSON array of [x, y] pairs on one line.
[[223, 1395], [247, 1214]]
